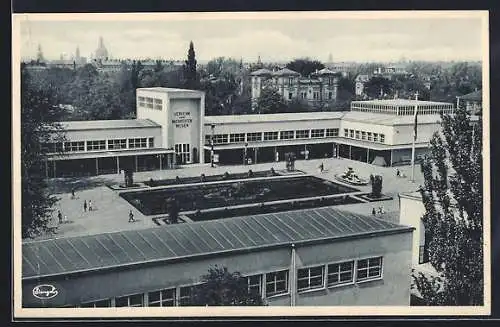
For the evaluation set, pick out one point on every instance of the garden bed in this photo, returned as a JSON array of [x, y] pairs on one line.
[[271, 208], [242, 192], [368, 197], [210, 178]]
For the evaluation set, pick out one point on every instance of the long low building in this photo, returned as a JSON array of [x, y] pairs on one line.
[[377, 131], [321, 256], [171, 129]]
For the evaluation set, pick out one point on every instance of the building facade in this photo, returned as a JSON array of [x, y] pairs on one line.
[[320, 87], [167, 132], [473, 102], [376, 131], [309, 257]]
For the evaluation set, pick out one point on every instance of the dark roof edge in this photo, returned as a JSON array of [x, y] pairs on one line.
[[391, 231]]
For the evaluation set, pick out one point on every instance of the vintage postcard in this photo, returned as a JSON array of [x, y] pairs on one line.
[[251, 164]]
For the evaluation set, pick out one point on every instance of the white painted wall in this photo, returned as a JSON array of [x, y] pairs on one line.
[[367, 127], [411, 211], [158, 116]]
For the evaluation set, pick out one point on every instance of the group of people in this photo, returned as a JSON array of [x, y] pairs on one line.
[[380, 210], [89, 205]]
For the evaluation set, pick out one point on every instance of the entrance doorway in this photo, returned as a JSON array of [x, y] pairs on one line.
[[183, 153]]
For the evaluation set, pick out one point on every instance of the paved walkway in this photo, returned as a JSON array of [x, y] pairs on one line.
[[111, 211]]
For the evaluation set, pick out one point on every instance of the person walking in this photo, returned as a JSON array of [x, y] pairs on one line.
[[321, 168], [398, 173], [85, 206], [90, 205], [59, 216], [131, 217], [373, 211], [73, 193]]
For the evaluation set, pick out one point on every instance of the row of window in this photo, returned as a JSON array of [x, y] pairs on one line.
[[265, 285], [271, 136], [316, 95], [363, 135], [151, 103], [96, 145], [402, 110]]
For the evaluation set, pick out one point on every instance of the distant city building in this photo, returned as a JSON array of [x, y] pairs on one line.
[[360, 84], [101, 52], [473, 102], [391, 71], [320, 87]]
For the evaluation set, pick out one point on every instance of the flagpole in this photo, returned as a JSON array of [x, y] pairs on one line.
[[293, 282], [414, 139]]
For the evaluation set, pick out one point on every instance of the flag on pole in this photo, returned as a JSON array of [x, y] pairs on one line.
[[415, 119]]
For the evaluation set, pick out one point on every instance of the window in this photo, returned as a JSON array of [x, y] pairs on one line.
[[208, 139], [117, 144], [290, 95], [316, 95], [357, 134], [220, 138], [363, 135], [290, 83], [97, 304], [254, 137], [287, 135], [369, 136], [269, 136], [254, 284], [303, 95], [310, 278], [138, 143], [340, 273], [96, 145], [151, 142], [317, 133], [163, 298], [302, 134], [382, 138], [346, 132], [135, 300], [369, 269], [330, 95], [158, 104], [423, 254], [375, 137], [186, 295], [237, 138], [74, 146], [351, 133], [332, 132], [277, 283], [183, 153]]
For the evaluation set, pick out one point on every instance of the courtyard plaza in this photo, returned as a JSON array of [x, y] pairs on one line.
[[111, 212]]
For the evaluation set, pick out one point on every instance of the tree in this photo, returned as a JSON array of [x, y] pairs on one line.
[[220, 287], [377, 85], [39, 115], [190, 74], [305, 66], [453, 219], [270, 102]]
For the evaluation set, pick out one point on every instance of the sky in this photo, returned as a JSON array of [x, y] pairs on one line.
[[346, 39]]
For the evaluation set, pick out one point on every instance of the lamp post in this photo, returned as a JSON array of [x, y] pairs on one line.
[[212, 144]]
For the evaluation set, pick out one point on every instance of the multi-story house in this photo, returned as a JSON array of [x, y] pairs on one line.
[[320, 87]]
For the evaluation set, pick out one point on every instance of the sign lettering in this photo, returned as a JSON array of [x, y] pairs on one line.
[[182, 119]]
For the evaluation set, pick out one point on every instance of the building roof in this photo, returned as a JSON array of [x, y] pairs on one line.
[[401, 102], [107, 124], [325, 71], [286, 72], [362, 78], [168, 89], [262, 71], [387, 119], [473, 96], [238, 119], [163, 244]]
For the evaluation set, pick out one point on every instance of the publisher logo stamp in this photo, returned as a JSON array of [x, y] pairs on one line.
[[45, 291]]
